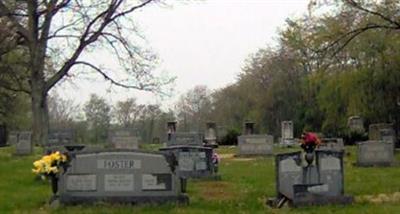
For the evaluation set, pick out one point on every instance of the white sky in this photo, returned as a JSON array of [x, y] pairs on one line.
[[200, 42]]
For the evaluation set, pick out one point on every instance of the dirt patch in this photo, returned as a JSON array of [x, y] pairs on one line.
[[217, 191]]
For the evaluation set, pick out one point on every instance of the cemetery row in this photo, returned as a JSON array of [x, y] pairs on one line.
[[124, 173]]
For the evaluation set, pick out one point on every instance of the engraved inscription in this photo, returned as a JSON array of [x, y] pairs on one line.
[[150, 182], [81, 183], [119, 164], [118, 182]]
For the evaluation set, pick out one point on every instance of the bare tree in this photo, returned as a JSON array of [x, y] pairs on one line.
[[57, 36], [127, 112], [61, 111]]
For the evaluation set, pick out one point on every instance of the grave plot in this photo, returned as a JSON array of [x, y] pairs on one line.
[[318, 183], [375, 153], [120, 176], [194, 161], [123, 139], [287, 138], [335, 144]]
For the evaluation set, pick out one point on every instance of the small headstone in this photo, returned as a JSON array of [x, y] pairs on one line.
[[378, 131], [255, 145], [287, 138], [332, 144], [375, 153], [123, 139], [58, 139], [24, 143], [210, 136], [193, 161], [356, 124], [12, 138], [120, 176], [185, 139]]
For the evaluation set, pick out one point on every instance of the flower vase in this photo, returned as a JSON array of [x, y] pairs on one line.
[[54, 183]]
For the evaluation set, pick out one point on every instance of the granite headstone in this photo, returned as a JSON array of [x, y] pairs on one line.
[[375, 153], [120, 176], [24, 143], [123, 139]]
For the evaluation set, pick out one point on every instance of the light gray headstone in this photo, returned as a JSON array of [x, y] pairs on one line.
[[287, 129], [119, 176], [330, 168], [123, 139], [289, 172], [356, 124], [332, 144], [24, 143], [375, 153], [255, 145]]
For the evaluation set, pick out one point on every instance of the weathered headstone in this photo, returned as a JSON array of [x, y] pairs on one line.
[[356, 124], [24, 143], [210, 136], [332, 144], [193, 161], [381, 131], [185, 139], [123, 139], [3, 135], [120, 176], [287, 138], [12, 138], [255, 145], [316, 184], [375, 153], [58, 139]]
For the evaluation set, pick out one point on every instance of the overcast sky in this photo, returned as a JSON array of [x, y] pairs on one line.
[[201, 43]]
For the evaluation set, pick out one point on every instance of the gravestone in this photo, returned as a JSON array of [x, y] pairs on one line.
[[58, 139], [356, 124], [3, 136], [332, 144], [375, 153], [255, 145], [24, 143], [193, 161], [12, 138], [316, 184], [287, 138], [123, 139], [210, 136], [185, 139], [381, 131], [120, 176]]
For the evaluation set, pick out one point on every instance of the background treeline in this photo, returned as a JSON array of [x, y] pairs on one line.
[[337, 61]]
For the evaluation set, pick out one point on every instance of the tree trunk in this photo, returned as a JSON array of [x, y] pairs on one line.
[[40, 123]]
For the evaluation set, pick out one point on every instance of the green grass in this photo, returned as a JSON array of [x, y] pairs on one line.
[[245, 185]]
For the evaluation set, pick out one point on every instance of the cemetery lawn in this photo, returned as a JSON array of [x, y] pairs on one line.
[[246, 184]]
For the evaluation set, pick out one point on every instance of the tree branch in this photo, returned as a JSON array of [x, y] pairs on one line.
[[4, 12]]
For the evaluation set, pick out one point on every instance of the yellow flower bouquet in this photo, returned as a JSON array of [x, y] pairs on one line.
[[49, 165]]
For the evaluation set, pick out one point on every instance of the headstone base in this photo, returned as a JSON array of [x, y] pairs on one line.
[[73, 200], [310, 199]]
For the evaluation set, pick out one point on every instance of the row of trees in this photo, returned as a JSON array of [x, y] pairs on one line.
[[339, 60]]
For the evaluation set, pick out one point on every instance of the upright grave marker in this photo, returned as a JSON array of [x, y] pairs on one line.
[[120, 176], [332, 144], [254, 144], [287, 138], [210, 136], [59, 140], [382, 131], [356, 124], [123, 139], [24, 143], [375, 153], [320, 182]]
